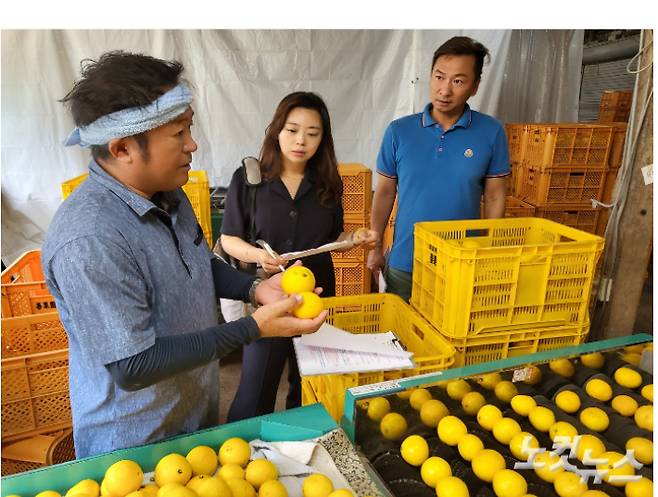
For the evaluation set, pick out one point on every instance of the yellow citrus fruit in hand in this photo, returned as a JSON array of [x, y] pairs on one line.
[[627, 377], [433, 470], [598, 389], [488, 416], [259, 471], [505, 391], [509, 483], [542, 418], [272, 488], [418, 397], [644, 417], [521, 443], [594, 418], [297, 279], [643, 448], [568, 484], [231, 470], [568, 401], [414, 450], [505, 429], [378, 408], [486, 463], [469, 446], [393, 426], [614, 471], [472, 402], [624, 405], [310, 307], [123, 477], [451, 487], [450, 429], [235, 450], [203, 460], [317, 485], [595, 360], [432, 412]]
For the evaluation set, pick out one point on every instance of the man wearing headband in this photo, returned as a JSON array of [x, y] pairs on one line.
[[134, 281]]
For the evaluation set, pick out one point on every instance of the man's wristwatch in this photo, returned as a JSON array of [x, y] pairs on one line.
[[252, 292]]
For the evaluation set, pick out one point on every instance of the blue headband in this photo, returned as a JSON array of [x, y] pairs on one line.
[[134, 120]]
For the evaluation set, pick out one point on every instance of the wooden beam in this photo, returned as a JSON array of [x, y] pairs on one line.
[[616, 317]]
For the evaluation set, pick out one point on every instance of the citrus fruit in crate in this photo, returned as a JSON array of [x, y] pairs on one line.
[[231, 470], [297, 279], [235, 450], [317, 485], [123, 477], [87, 487], [310, 307], [240, 488], [272, 488], [203, 460], [414, 450], [259, 471], [509, 483], [433, 470], [172, 468], [208, 486]]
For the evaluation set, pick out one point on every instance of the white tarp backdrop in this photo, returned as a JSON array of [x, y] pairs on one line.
[[367, 78]]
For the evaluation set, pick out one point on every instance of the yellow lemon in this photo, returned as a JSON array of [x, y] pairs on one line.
[[434, 469], [643, 448], [521, 443], [208, 486], [563, 367], [378, 408], [647, 392], [568, 401], [542, 418], [509, 483], [451, 487], [240, 488], [104, 490], [488, 416], [594, 418], [48, 493], [505, 391], [640, 488], [469, 446], [568, 484], [259, 471], [634, 349], [203, 460], [644, 417], [177, 490], [88, 487], [418, 397], [150, 490], [594, 493], [598, 389], [595, 360], [450, 429], [235, 450], [547, 466], [341, 492], [272, 488], [486, 463], [310, 307], [172, 468], [414, 450], [534, 376], [456, 389], [166, 489], [432, 412], [627, 377], [562, 429], [317, 485], [615, 473], [624, 405], [472, 402], [632, 358], [505, 429], [523, 404], [231, 470], [393, 426], [589, 446], [490, 380], [123, 477], [405, 394], [297, 279]]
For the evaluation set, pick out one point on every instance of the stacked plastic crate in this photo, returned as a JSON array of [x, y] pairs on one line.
[[615, 106], [36, 411], [352, 275]]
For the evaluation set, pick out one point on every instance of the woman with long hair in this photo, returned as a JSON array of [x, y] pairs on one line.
[[296, 207]]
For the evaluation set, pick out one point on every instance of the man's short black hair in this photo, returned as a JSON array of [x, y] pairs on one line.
[[119, 80], [463, 45]]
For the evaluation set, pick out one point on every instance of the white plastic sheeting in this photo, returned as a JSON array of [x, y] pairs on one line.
[[367, 78]]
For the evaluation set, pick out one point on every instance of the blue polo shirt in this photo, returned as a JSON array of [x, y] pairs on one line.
[[124, 272], [440, 174]]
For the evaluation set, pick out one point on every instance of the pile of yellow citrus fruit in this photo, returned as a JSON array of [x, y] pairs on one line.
[[300, 280], [203, 472]]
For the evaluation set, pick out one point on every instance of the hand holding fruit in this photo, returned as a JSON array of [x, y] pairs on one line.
[[365, 238]]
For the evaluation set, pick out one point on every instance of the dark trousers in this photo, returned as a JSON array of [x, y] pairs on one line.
[[263, 362]]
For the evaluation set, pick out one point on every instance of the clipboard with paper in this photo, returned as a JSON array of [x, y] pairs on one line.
[[332, 350]]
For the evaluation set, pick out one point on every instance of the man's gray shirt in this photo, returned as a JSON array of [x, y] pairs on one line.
[[124, 272]]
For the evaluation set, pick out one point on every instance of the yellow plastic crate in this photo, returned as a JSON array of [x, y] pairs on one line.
[[476, 276], [515, 342], [196, 189], [373, 313]]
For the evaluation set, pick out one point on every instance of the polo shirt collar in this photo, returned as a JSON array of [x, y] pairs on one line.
[[135, 201], [464, 121]]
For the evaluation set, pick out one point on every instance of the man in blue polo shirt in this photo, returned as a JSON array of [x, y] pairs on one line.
[[440, 162]]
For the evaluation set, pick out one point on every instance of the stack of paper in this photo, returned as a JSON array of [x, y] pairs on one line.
[[332, 350]]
